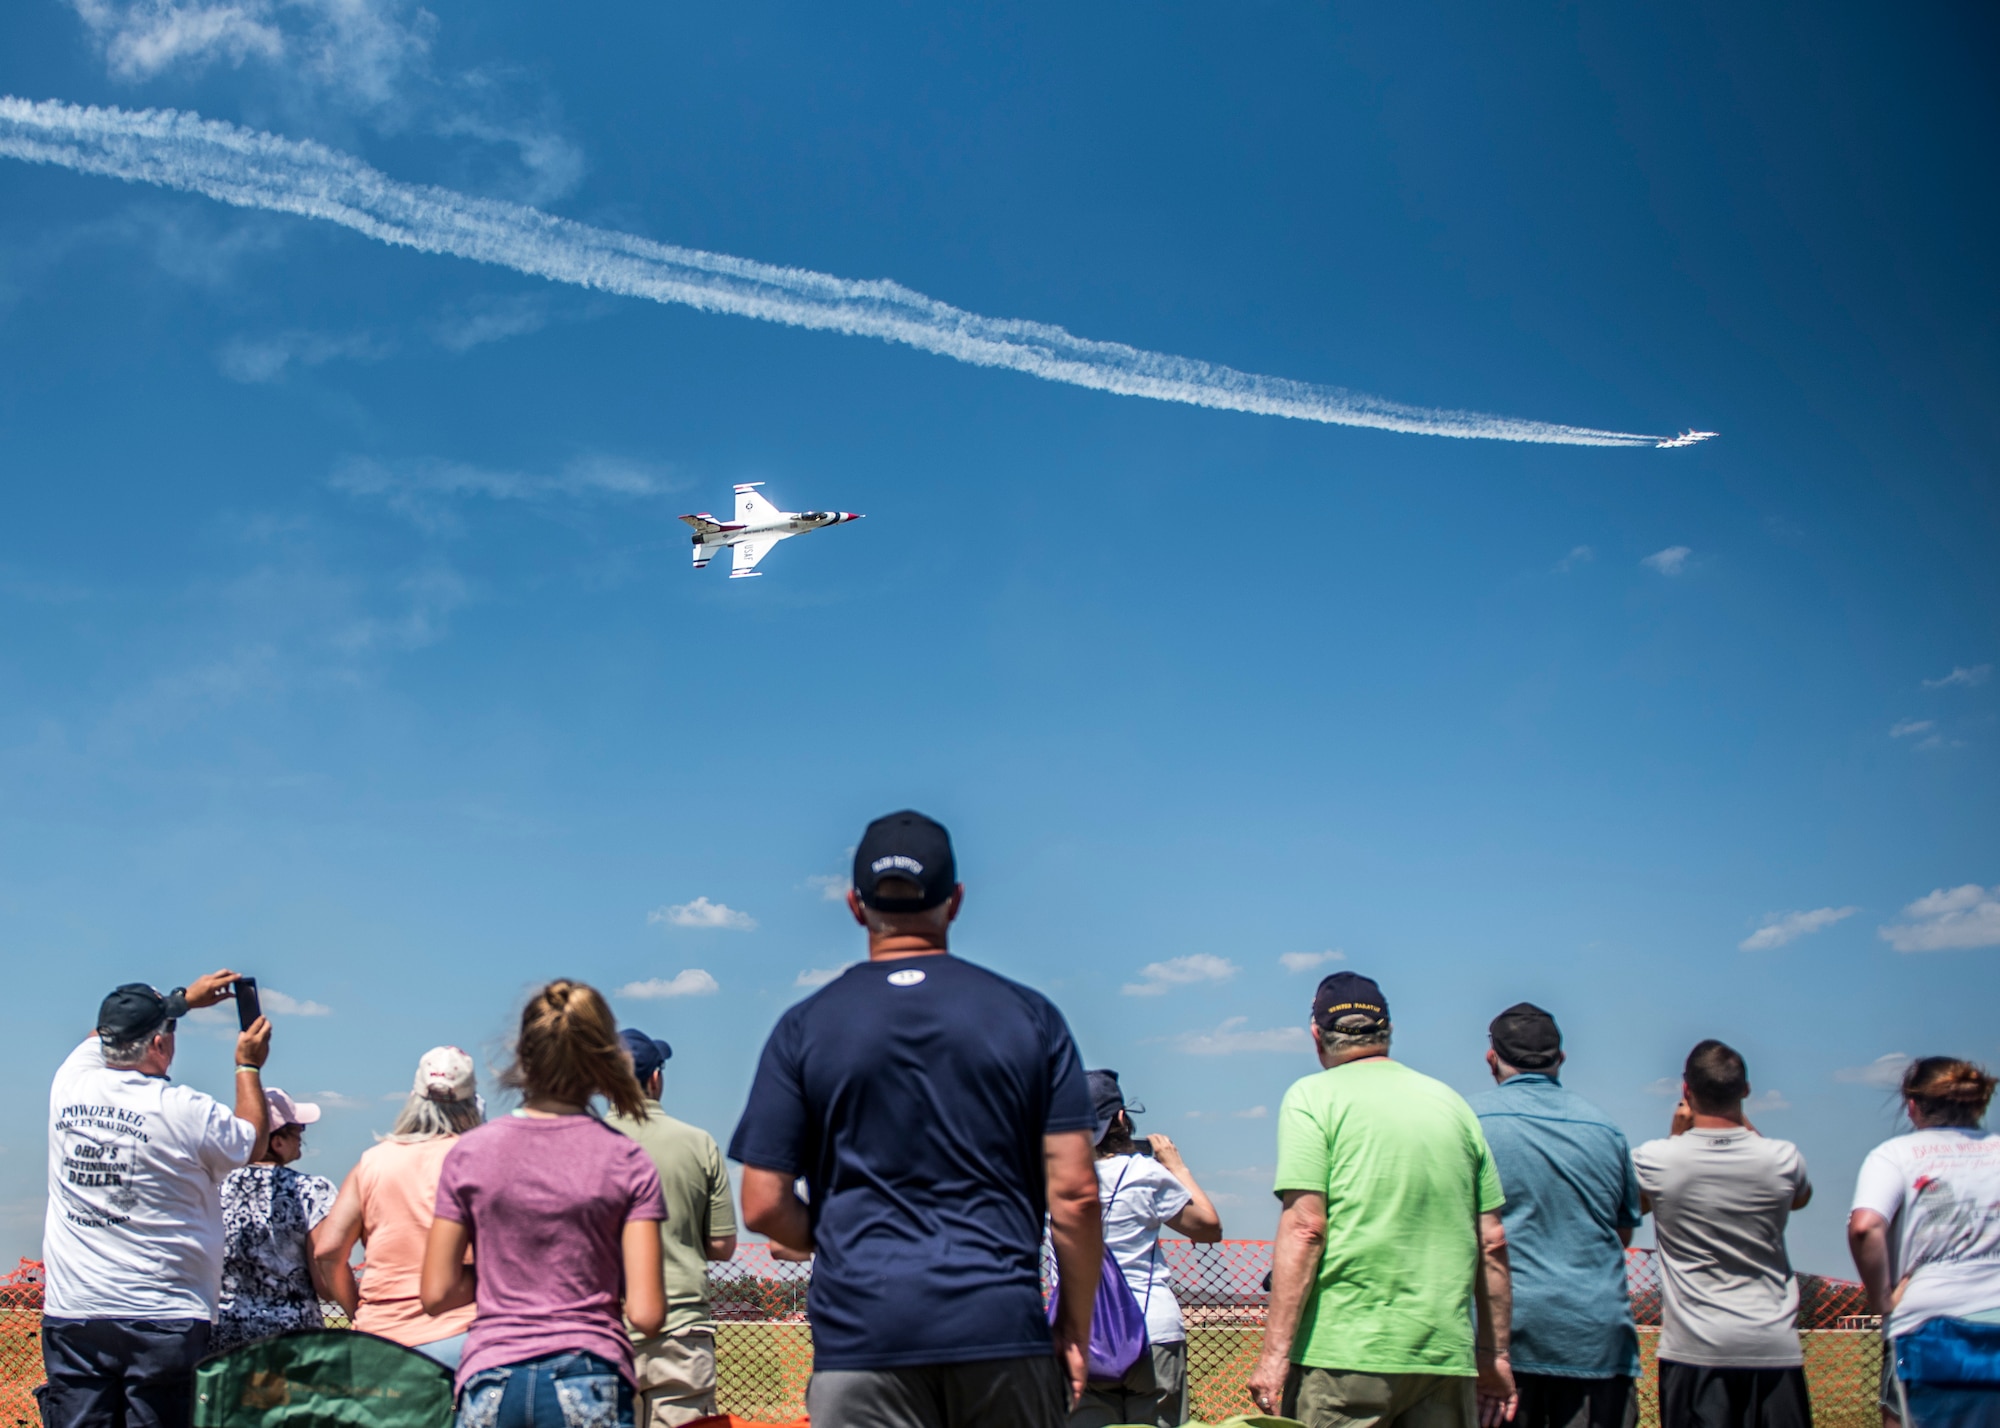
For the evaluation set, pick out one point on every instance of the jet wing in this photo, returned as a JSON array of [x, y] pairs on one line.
[[753, 509], [744, 555]]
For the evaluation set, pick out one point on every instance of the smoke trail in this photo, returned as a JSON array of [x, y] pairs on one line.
[[257, 170]]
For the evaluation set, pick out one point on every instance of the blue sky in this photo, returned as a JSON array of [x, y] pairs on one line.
[[347, 635]]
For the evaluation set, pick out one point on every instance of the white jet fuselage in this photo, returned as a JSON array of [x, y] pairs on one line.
[[758, 526]]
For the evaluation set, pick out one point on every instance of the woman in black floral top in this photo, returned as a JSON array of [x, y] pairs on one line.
[[268, 1214]]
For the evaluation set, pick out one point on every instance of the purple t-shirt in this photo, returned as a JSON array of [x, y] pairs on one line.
[[547, 1200]]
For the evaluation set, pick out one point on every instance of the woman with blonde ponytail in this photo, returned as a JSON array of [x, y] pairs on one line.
[[562, 1213], [1925, 1233]]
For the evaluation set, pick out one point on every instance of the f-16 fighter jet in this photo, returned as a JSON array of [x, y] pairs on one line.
[[1687, 438], [758, 526]]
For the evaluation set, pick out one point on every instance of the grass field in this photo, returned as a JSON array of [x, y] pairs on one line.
[[763, 1369]]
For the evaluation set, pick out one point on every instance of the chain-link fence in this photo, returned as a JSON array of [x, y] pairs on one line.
[[764, 1347], [20, 1344]]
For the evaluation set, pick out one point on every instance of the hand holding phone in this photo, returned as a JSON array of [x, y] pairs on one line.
[[248, 1008]]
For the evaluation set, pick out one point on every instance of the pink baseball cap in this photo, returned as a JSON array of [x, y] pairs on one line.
[[284, 1111], [445, 1074]]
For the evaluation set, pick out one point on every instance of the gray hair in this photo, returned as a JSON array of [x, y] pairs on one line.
[[1364, 1035], [124, 1055], [424, 1119]]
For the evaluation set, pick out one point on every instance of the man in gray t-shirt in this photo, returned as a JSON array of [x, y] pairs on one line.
[[1721, 1195]]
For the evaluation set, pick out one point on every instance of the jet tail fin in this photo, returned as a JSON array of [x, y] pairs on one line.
[[704, 523]]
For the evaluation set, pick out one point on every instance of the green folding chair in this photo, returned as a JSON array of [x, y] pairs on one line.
[[322, 1378]]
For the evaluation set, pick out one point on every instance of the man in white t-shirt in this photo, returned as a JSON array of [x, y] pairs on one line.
[[1144, 1188], [1721, 1195], [133, 1239]]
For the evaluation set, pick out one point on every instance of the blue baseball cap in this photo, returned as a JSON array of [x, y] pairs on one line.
[[649, 1054]]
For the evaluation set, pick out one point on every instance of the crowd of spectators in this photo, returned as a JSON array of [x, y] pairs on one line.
[[921, 1128]]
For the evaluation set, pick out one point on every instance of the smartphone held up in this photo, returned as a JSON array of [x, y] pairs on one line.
[[248, 1007]]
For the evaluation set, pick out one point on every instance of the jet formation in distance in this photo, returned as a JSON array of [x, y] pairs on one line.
[[1687, 438], [758, 526]]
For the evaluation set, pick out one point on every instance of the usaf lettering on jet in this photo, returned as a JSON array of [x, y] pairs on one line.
[[758, 526]]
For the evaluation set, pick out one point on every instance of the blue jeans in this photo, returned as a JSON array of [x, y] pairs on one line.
[[560, 1391]]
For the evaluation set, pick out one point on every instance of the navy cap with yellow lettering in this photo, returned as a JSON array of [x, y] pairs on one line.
[[1349, 994]]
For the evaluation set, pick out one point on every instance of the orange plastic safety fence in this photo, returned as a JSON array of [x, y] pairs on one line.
[[764, 1346]]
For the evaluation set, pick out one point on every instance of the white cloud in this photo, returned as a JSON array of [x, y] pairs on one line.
[[432, 595], [819, 976], [1884, 1071], [1231, 1039], [490, 318], [367, 58], [264, 359], [702, 913], [1778, 928], [1767, 1101], [144, 37], [691, 983], [1157, 978], [360, 50], [1671, 561], [335, 1100], [1306, 961], [1252, 1113], [1948, 919], [1906, 727], [832, 886], [422, 490], [1963, 676], [1578, 555], [277, 1003], [1665, 1086]]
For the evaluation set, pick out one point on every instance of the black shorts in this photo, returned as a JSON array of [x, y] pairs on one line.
[[1554, 1401], [990, 1393], [1696, 1396]]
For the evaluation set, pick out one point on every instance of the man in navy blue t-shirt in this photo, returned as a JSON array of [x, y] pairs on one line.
[[934, 1111]]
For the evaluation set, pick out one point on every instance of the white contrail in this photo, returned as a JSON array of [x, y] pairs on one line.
[[257, 170]]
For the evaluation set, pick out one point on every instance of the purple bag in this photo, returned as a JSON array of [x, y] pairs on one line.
[[1117, 1320]]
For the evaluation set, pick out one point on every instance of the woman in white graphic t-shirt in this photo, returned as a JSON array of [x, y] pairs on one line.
[[1925, 1232], [1145, 1187]]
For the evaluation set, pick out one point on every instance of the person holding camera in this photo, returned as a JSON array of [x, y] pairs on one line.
[[1145, 1187], [133, 1240]]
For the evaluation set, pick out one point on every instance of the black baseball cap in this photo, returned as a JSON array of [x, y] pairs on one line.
[[135, 1010], [1107, 1099], [910, 846], [1526, 1037], [1346, 994], [649, 1053]]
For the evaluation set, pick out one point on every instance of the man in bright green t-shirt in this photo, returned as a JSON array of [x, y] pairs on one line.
[[1390, 1243]]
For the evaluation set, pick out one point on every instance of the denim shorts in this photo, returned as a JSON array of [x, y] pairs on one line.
[[570, 1390]]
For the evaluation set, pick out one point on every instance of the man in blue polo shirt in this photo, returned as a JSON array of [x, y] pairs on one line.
[[1572, 1203], [934, 1110]]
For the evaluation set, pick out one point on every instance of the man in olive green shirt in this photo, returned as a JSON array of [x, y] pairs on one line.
[[675, 1368], [1389, 1240]]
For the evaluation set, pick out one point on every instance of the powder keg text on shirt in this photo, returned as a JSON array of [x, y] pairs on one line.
[[115, 1119]]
